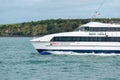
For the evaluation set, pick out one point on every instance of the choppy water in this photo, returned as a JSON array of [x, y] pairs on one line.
[[20, 61]]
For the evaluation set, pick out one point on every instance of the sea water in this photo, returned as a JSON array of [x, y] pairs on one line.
[[20, 61]]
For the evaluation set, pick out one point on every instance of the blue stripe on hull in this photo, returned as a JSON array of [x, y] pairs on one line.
[[43, 51]]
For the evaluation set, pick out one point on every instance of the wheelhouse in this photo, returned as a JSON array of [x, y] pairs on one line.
[[99, 29]]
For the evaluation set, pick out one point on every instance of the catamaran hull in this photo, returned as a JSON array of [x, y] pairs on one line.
[[78, 47], [41, 51]]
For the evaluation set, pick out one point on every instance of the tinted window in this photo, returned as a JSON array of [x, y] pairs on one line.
[[86, 39], [104, 29]]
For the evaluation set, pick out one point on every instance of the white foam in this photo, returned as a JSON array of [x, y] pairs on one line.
[[74, 53]]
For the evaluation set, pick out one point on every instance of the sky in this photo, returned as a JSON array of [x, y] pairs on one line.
[[17, 11]]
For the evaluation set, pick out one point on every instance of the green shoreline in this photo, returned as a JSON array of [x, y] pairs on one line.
[[43, 27]]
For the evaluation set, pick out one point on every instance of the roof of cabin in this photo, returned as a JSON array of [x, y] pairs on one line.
[[98, 24]]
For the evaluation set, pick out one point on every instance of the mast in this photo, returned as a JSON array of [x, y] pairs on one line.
[[97, 13]]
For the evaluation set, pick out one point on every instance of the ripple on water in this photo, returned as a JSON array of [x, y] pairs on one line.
[[20, 61]]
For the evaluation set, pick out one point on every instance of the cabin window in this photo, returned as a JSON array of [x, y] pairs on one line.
[[85, 39], [104, 29], [86, 28]]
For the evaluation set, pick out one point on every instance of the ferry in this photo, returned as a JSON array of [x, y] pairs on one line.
[[93, 37]]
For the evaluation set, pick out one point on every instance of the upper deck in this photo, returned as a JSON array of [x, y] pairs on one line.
[[97, 26]]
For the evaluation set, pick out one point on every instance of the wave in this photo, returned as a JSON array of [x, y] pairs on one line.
[[75, 53]]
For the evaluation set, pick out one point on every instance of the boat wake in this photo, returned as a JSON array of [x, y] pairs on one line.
[[75, 53]]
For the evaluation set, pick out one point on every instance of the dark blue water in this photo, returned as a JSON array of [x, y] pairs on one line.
[[20, 61]]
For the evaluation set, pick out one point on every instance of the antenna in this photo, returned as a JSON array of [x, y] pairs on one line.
[[96, 13]]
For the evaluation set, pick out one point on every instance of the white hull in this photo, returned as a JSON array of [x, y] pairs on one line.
[[99, 47]]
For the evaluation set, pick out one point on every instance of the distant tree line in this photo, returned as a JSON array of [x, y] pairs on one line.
[[44, 27]]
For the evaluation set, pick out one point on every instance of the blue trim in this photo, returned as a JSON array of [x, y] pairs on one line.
[[44, 51]]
